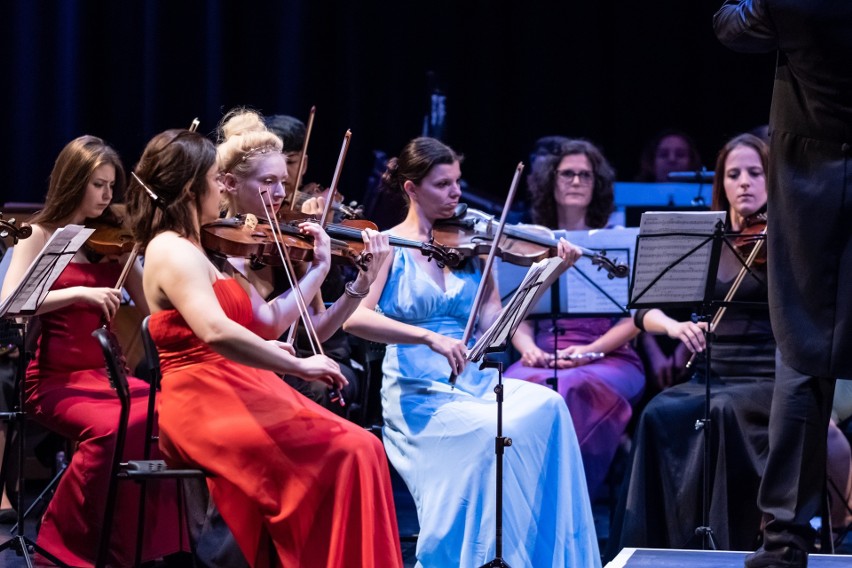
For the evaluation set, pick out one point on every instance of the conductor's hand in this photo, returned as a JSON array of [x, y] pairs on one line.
[[568, 252], [109, 299], [535, 357], [453, 349], [689, 333], [321, 368]]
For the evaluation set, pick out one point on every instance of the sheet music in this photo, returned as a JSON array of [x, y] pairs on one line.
[[44, 270], [583, 289], [537, 280], [685, 282]]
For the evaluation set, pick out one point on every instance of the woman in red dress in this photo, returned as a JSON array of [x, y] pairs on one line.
[[297, 485], [67, 389]]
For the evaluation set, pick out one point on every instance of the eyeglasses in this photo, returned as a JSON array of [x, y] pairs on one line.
[[585, 176]]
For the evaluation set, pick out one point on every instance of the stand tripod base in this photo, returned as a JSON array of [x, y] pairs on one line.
[[706, 536], [497, 562], [25, 547]]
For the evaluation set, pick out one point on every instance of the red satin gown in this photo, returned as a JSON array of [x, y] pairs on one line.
[[69, 393], [297, 485]]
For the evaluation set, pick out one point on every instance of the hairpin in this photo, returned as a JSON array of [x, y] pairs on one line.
[[158, 201]]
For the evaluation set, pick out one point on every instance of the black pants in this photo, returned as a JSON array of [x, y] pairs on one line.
[[791, 492]]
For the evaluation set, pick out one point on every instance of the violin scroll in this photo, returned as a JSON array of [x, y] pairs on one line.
[[9, 228], [614, 268]]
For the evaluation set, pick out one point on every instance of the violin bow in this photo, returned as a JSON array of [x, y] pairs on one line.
[[291, 335], [489, 262], [335, 178], [746, 267], [313, 337], [302, 155], [128, 265]]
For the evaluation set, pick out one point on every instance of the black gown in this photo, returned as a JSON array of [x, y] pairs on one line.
[[661, 500]]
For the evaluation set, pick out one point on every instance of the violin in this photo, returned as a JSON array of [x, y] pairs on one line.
[[471, 233], [753, 232], [247, 237], [750, 244], [340, 211], [109, 240], [111, 237], [350, 232]]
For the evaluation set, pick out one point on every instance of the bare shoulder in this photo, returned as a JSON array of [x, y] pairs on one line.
[[169, 254]]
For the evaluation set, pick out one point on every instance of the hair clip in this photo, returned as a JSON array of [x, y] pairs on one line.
[[158, 201]]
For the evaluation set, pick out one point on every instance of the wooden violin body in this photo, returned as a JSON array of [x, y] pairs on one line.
[[472, 234], [242, 236]]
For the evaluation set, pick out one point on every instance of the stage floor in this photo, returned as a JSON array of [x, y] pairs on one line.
[[659, 558]]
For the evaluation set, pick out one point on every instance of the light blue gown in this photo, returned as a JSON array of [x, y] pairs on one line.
[[441, 441]]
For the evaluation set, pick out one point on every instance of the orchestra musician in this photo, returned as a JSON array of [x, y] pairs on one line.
[[571, 187], [240, 130], [439, 437], [662, 504], [273, 172], [297, 485], [67, 389]]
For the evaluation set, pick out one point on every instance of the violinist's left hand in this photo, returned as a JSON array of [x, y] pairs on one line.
[[322, 243], [378, 245], [314, 206], [567, 252]]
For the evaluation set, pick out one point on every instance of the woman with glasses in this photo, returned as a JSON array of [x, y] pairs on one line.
[[572, 189]]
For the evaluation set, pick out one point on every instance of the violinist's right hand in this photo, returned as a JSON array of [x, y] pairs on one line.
[[321, 368], [108, 299], [322, 243], [453, 349], [689, 333], [568, 252], [535, 357]]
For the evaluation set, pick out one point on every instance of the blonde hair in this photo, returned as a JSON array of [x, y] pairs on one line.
[[242, 136]]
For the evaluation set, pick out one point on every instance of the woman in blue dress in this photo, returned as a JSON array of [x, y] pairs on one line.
[[440, 438]]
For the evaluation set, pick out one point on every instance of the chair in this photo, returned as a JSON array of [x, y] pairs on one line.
[[369, 355], [137, 470]]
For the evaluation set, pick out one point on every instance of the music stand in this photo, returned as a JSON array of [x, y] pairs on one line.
[[539, 277], [23, 302], [677, 258]]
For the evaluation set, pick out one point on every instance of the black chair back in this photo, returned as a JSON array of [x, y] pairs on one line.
[[117, 374]]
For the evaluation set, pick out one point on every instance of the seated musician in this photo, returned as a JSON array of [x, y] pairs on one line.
[[439, 437], [571, 187]]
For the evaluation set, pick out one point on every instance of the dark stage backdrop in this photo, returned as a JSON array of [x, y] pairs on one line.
[[614, 72]]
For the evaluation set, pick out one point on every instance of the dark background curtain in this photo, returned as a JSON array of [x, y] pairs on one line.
[[613, 72]]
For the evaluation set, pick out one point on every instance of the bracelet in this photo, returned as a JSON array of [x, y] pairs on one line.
[[350, 291]]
